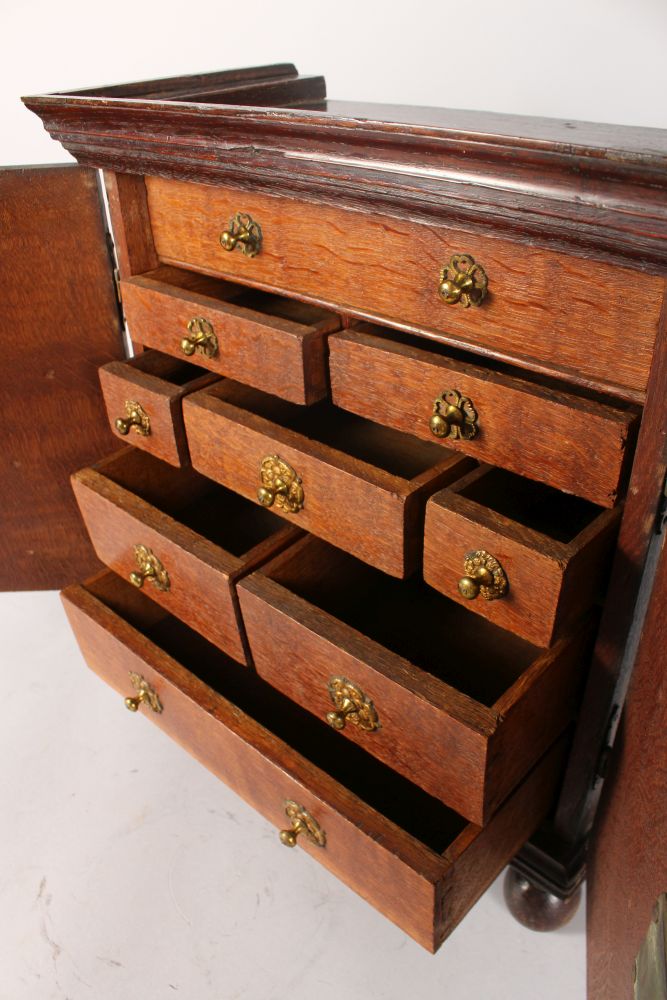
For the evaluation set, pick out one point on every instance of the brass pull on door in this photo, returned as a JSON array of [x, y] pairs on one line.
[[243, 234], [351, 705], [280, 485], [484, 575], [463, 282], [135, 417], [146, 695], [302, 822], [150, 568], [201, 338]]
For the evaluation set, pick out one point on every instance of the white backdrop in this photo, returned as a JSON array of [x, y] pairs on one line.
[[601, 60]]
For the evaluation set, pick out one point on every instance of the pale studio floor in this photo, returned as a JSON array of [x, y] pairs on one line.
[[128, 871]]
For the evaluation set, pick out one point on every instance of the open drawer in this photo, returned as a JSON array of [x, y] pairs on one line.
[[460, 707], [412, 858], [357, 484], [270, 342], [185, 540]]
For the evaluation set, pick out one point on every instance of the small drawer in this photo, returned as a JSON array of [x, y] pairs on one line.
[[544, 308], [353, 482], [460, 707], [143, 400], [543, 554], [572, 443], [409, 856], [267, 341], [182, 539]]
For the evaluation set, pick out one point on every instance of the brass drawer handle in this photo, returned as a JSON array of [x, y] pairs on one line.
[[463, 282], [202, 338], [280, 485], [351, 705], [484, 575], [302, 822], [135, 416], [454, 416], [150, 568], [242, 233], [146, 695]]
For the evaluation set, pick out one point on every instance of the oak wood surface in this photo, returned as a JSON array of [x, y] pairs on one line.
[[202, 574], [355, 503], [446, 722], [128, 209], [413, 884], [574, 444], [265, 341], [158, 384], [552, 581], [539, 305], [58, 324]]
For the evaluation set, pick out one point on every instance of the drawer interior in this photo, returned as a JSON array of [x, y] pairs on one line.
[[422, 816], [397, 453], [172, 370], [216, 513], [407, 617], [560, 516]]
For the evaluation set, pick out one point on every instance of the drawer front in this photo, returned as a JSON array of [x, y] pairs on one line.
[[374, 515], [143, 401], [545, 583], [281, 350], [424, 892], [201, 576], [539, 304], [465, 753], [557, 438]]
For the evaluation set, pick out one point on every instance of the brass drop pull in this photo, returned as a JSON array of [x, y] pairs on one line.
[[351, 705], [463, 282], [484, 575], [280, 485], [201, 338], [150, 568], [242, 233], [135, 417], [301, 822], [454, 416], [146, 695]]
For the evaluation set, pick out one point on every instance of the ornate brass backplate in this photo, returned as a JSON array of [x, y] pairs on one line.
[[150, 568], [280, 485], [201, 338], [135, 418], [454, 416], [463, 282], [146, 695], [243, 233], [351, 705], [302, 822], [483, 575]]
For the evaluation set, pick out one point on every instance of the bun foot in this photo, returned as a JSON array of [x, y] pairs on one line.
[[536, 908]]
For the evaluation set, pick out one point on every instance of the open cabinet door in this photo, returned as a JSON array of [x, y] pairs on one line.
[[59, 322]]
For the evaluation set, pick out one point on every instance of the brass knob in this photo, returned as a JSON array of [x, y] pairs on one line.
[[150, 568], [454, 416], [351, 705], [301, 822], [280, 485], [136, 417], [484, 575], [242, 233], [463, 282], [201, 338], [146, 695]]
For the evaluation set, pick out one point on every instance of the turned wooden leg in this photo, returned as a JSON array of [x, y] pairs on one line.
[[535, 907]]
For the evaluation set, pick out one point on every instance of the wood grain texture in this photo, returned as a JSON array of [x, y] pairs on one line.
[[413, 885], [627, 866], [280, 349], [574, 444], [376, 515], [58, 325], [202, 574], [465, 752], [551, 582], [368, 258], [152, 380], [128, 208]]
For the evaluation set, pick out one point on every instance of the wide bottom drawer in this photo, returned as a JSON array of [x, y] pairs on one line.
[[411, 857]]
